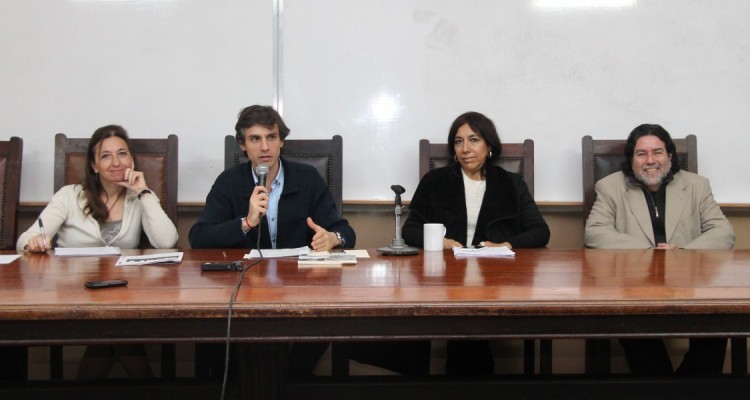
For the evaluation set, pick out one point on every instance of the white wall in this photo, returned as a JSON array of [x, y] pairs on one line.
[[549, 75], [156, 67], [383, 74]]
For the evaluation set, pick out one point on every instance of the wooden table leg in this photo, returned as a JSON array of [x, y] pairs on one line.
[[14, 363], [598, 357], [261, 369], [739, 355], [545, 357]]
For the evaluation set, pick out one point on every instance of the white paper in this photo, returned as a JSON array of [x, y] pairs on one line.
[[277, 253], [483, 252], [329, 260], [87, 251], [8, 258], [161, 258], [361, 253]]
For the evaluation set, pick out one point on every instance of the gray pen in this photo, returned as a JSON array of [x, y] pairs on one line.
[[44, 236]]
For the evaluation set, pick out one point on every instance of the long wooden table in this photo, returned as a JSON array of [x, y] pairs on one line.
[[539, 293]]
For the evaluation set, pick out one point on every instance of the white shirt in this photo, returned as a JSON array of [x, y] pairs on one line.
[[474, 193]]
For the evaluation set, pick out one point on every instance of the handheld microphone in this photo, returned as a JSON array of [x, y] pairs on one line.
[[261, 171]]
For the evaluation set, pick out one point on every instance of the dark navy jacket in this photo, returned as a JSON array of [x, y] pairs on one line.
[[305, 195]]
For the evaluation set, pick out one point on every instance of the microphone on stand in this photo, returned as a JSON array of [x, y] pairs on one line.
[[398, 247]]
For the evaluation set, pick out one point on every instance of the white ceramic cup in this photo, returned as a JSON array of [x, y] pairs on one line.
[[433, 237]]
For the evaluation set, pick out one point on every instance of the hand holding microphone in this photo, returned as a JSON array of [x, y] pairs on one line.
[[261, 171], [259, 197]]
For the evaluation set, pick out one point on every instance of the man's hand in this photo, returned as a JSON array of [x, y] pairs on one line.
[[258, 205], [322, 240], [666, 246]]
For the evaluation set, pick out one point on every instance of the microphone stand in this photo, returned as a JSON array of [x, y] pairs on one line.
[[398, 247]]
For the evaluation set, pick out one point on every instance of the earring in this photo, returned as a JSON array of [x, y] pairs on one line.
[[489, 155], [455, 159]]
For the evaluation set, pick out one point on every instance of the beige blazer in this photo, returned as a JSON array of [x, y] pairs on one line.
[[620, 217], [64, 217]]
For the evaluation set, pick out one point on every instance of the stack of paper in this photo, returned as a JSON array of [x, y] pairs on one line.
[[162, 258], [87, 251], [360, 253], [483, 252], [335, 259], [277, 253]]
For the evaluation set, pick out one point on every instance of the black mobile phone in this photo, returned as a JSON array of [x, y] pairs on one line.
[[105, 284], [222, 266]]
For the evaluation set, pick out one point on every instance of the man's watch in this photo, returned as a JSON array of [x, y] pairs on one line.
[[340, 239]]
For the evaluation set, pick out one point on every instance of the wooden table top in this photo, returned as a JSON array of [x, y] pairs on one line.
[[535, 282]]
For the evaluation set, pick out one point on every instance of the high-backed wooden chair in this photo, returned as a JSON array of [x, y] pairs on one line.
[[326, 155], [157, 159], [602, 158], [10, 180], [515, 157], [13, 363]]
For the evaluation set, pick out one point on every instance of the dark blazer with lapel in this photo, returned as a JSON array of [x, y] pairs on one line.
[[508, 212], [305, 194]]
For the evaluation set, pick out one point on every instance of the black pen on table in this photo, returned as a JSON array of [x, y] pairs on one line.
[[44, 237]]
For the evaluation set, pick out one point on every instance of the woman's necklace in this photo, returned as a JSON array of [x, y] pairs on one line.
[[112, 206]]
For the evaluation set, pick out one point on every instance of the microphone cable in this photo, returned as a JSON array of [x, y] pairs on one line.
[[231, 303]]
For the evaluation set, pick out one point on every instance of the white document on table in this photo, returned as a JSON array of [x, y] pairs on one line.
[[483, 252], [87, 251], [359, 253], [149, 259], [326, 260], [8, 258], [277, 253]]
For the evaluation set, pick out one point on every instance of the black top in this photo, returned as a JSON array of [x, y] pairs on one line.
[[508, 212], [657, 207]]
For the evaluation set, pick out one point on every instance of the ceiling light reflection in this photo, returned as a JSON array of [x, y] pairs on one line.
[[385, 107], [558, 4]]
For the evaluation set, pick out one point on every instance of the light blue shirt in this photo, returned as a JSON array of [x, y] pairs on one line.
[[277, 186]]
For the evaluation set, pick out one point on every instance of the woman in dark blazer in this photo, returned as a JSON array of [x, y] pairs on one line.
[[479, 204]]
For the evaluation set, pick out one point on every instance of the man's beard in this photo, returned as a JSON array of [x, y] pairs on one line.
[[651, 181]]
